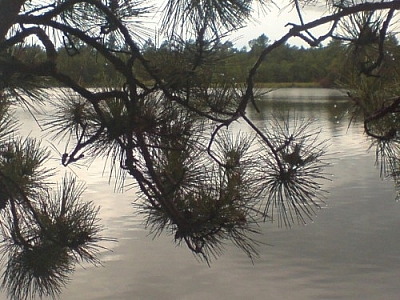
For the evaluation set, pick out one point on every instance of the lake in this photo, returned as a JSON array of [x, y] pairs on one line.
[[351, 249]]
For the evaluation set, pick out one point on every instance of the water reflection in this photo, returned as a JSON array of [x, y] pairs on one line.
[[326, 104], [350, 251]]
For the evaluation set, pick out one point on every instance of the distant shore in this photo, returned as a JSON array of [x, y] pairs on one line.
[[277, 85]]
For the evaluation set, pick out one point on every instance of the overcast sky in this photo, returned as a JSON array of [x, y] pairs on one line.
[[273, 22]]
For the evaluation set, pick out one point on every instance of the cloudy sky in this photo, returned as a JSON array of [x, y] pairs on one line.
[[273, 20], [273, 23]]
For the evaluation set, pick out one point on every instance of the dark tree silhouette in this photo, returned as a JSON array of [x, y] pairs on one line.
[[198, 180]]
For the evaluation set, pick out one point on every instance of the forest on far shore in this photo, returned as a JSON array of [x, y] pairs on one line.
[[288, 65]]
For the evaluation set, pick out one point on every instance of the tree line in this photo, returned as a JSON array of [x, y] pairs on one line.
[[320, 66]]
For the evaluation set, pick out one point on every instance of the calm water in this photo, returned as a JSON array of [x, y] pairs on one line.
[[350, 251]]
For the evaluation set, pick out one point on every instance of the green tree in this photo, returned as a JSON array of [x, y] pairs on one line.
[[198, 180], [258, 44]]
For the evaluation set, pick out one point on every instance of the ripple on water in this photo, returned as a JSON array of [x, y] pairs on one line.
[[349, 252]]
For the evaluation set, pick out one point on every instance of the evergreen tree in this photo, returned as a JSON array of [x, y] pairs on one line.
[[198, 180]]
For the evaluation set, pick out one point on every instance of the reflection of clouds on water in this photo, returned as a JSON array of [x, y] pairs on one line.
[[350, 251], [116, 210]]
